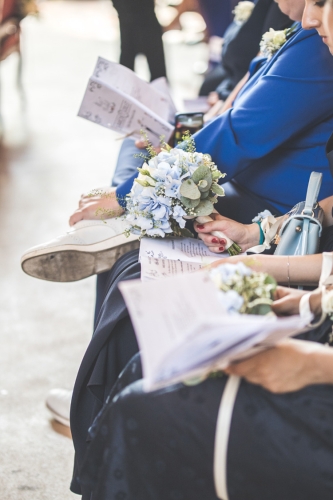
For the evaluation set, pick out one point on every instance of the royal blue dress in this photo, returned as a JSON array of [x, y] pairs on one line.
[[275, 134], [269, 151]]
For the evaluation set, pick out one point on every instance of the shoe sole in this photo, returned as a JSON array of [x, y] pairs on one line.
[[57, 417], [68, 263]]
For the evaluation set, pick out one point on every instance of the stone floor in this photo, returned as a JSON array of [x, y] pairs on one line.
[[47, 159]]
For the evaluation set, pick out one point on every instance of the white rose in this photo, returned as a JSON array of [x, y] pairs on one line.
[[279, 38]]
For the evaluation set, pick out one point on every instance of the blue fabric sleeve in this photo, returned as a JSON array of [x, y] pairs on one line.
[[275, 106], [124, 189]]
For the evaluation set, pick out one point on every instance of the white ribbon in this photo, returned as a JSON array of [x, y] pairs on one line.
[[270, 226], [326, 278]]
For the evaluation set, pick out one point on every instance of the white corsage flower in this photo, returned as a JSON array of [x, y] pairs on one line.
[[272, 41], [242, 11]]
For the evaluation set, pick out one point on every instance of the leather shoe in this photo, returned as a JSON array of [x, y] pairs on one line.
[[58, 402], [89, 247]]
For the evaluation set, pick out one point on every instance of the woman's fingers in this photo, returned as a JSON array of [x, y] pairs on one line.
[[214, 244], [208, 227], [141, 144], [75, 217]]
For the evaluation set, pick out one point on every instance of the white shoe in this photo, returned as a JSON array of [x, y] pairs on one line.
[[89, 247], [58, 402]]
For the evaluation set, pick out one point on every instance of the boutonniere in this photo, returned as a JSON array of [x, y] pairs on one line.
[[272, 41], [242, 11]]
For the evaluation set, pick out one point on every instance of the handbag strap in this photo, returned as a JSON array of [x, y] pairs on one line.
[[312, 192], [222, 432]]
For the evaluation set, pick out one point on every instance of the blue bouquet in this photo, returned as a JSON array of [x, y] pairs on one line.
[[172, 186], [243, 290]]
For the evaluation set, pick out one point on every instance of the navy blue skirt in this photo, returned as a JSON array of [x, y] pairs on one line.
[[160, 445]]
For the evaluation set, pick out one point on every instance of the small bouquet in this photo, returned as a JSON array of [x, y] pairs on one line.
[[172, 186], [242, 290]]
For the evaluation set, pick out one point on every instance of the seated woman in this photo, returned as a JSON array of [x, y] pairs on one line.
[[106, 355], [262, 143], [114, 342], [162, 445]]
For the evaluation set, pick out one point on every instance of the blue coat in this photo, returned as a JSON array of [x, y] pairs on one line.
[[275, 134]]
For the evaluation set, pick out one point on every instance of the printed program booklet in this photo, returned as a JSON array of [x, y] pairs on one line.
[[160, 258], [118, 99], [184, 332]]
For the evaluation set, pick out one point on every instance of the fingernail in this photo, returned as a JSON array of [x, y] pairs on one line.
[[200, 227], [215, 240], [221, 248], [223, 242]]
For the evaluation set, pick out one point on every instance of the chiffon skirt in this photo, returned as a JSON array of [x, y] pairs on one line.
[[160, 445]]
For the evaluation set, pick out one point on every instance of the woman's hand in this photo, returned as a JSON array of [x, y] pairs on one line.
[[142, 144], [286, 301], [98, 204], [246, 236], [289, 366], [212, 98]]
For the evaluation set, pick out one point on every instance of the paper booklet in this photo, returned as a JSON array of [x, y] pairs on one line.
[[161, 258], [184, 332], [118, 99]]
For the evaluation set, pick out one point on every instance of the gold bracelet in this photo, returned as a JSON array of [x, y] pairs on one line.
[[288, 265]]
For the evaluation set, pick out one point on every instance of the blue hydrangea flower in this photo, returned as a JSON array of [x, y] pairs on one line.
[[231, 301], [222, 273], [178, 214]]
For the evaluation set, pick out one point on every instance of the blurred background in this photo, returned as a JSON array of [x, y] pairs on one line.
[[48, 158]]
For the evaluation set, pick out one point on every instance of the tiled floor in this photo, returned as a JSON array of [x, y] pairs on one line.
[[49, 157]]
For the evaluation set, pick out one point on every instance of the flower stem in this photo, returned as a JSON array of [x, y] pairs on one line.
[[234, 249]]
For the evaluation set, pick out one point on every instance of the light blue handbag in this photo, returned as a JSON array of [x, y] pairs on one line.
[[300, 233]]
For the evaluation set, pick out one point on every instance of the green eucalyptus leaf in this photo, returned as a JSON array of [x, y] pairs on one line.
[[189, 203], [217, 189], [260, 309], [209, 180], [216, 175], [204, 195], [269, 280], [189, 189], [200, 173], [205, 207], [202, 184]]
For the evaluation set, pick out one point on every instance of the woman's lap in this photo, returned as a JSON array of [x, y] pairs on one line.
[[160, 445], [112, 346], [281, 446]]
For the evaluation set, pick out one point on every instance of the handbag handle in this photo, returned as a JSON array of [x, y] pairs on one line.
[[312, 192]]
